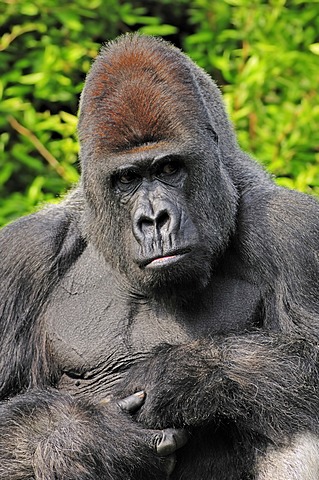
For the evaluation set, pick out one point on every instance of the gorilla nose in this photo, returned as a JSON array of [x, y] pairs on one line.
[[158, 221], [155, 222]]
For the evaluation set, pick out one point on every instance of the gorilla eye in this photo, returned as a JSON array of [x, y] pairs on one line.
[[169, 168], [127, 177], [125, 180]]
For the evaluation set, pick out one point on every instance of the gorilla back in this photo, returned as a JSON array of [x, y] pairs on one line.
[[176, 271]]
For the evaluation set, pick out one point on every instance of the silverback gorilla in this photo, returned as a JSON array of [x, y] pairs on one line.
[[163, 320]]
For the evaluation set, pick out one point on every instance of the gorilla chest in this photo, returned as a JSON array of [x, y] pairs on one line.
[[96, 331]]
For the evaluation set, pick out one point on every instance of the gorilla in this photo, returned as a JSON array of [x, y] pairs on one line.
[[162, 321]]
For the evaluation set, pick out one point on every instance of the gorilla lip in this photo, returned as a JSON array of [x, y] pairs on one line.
[[164, 261]]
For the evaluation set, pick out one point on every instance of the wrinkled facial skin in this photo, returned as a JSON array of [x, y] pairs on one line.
[[162, 233], [161, 227]]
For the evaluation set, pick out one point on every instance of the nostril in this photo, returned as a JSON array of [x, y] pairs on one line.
[[144, 222], [162, 219]]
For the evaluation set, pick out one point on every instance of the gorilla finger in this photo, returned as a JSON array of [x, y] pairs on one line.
[[132, 403], [167, 464], [169, 440]]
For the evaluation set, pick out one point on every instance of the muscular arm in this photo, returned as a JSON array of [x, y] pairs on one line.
[[46, 435], [35, 252], [267, 382]]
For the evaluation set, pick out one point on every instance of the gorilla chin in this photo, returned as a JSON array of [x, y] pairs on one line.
[[184, 273]]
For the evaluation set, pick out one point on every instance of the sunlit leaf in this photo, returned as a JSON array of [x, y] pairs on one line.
[[314, 48]]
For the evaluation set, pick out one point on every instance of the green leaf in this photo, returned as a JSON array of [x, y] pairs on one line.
[[5, 172], [314, 48], [32, 78], [161, 30]]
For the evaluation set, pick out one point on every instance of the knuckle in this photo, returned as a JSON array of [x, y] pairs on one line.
[[167, 443]]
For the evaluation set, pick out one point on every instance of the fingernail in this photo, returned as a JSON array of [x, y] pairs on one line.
[[140, 394]]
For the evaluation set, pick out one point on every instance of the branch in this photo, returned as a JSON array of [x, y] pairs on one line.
[[52, 161]]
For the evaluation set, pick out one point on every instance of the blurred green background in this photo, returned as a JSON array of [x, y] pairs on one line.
[[263, 54]]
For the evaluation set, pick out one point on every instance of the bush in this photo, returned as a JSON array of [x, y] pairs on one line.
[[263, 55]]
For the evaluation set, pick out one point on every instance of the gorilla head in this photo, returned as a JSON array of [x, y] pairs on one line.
[[160, 204]]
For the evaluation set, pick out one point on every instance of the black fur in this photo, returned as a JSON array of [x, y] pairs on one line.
[[177, 268]]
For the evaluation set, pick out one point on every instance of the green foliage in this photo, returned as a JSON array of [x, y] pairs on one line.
[[264, 55], [42, 67], [46, 48]]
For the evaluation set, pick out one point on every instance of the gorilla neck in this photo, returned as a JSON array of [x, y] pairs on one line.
[[172, 293]]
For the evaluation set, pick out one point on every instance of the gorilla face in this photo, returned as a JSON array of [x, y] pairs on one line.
[[160, 204], [161, 225], [159, 217], [161, 234]]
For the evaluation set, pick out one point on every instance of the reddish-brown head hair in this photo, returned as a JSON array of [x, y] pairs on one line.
[[138, 91]]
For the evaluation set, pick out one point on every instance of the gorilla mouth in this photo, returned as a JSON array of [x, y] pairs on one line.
[[165, 260]]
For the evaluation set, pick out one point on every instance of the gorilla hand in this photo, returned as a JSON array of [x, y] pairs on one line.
[[47, 434], [191, 385], [174, 378], [163, 442]]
